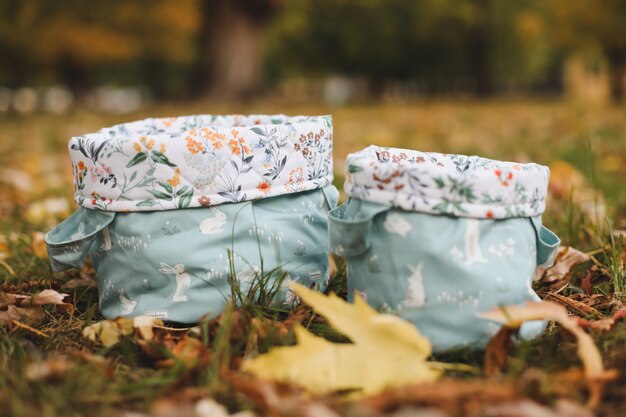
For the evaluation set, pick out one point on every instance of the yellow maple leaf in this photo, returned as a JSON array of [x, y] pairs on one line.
[[385, 351]]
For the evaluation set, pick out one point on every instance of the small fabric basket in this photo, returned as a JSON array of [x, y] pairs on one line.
[[172, 211], [440, 239]]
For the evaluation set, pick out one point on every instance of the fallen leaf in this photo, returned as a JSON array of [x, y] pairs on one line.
[[595, 374], [451, 395], [29, 315], [144, 324], [497, 351], [385, 351], [566, 259], [49, 297], [278, 399], [109, 332], [604, 324], [28, 308], [190, 351], [208, 407]]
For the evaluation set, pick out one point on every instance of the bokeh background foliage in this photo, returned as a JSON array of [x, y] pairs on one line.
[[524, 80], [183, 48]]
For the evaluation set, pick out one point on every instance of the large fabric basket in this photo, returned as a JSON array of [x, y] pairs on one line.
[[439, 239], [174, 211]]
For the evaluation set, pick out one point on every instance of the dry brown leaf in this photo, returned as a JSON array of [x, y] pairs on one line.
[[497, 352], [566, 258], [28, 308], [595, 374], [604, 324], [191, 351], [455, 396], [29, 315], [49, 297]]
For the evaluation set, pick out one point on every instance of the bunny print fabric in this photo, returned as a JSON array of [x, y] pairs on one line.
[[439, 271], [175, 264], [173, 210]]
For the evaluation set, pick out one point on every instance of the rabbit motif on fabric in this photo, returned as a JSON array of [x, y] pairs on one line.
[[395, 223], [415, 294], [473, 253], [247, 275], [214, 224], [128, 305], [183, 280]]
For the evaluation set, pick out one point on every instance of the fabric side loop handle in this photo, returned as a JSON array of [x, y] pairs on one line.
[[349, 226], [547, 244], [69, 243]]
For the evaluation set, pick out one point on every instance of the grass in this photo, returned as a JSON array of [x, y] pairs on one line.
[[107, 381]]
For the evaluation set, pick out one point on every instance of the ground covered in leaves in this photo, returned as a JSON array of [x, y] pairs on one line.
[[48, 367]]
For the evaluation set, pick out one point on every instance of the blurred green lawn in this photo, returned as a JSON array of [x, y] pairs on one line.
[[592, 139], [34, 164]]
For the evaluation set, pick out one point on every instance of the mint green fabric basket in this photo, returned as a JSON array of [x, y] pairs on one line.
[[439, 239], [173, 210]]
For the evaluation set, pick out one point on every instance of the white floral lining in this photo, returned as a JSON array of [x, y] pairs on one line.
[[464, 186], [205, 160]]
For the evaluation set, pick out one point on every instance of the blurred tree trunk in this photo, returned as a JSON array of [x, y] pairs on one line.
[[480, 65], [231, 44], [480, 49], [616, 58]]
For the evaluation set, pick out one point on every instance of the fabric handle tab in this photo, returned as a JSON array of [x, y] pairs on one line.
[[69, 243], [349, 226], [547, 243]]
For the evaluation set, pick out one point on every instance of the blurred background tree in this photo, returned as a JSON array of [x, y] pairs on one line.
[[478, 46], [234, 48], [595, 26], [83, 43], [231, 45]]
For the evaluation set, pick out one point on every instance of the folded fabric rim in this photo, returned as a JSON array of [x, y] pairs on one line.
[[457, 185], [199, 161]]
